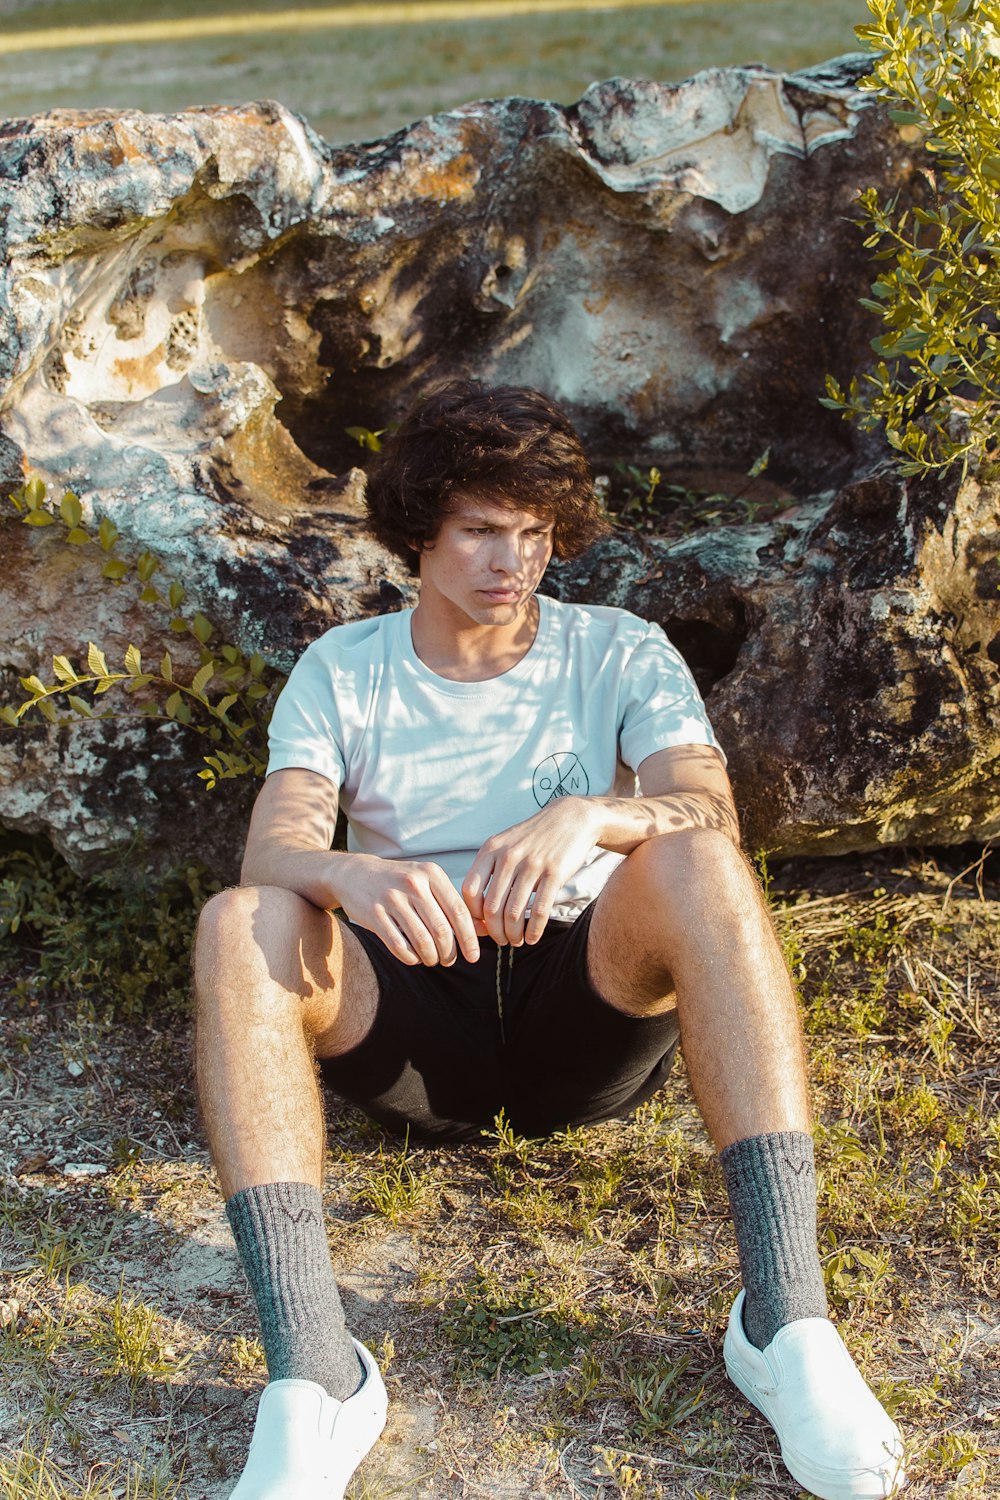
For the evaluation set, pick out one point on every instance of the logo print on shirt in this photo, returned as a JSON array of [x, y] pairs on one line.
[[561, 775]]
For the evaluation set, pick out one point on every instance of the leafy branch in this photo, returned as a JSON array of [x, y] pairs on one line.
[[227, 699], [936, 387]]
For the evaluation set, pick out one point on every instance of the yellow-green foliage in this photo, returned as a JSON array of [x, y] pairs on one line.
[[936, 387], [113, 945], [227, 699]]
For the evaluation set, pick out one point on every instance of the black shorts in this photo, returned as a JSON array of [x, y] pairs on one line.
[[521, 1030]]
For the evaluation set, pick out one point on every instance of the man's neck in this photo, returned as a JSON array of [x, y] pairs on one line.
[[467, 651]]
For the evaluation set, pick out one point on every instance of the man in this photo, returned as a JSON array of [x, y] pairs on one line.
[[542, 884]]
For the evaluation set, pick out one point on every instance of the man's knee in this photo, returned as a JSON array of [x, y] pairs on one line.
[[242, 921], [688, 858], [689, 879]]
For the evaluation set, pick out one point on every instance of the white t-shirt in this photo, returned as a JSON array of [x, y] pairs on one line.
[[429, 769]]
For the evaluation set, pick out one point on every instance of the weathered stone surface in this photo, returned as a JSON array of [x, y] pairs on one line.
[[850, 657], [193, 309]]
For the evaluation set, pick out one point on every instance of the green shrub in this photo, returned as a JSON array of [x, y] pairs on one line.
[[936, 387], [494, 1328], [107, 944], [227, 700]]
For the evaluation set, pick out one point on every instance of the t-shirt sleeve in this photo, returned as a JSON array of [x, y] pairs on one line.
[[659, 704], [305, 731]]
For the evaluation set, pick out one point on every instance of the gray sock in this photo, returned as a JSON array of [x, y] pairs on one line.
[[281, 1240], [772, 1193]]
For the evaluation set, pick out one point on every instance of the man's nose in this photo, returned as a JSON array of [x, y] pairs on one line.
[[508, 554]]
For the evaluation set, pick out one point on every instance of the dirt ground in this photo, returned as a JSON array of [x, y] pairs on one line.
[[129, 1345]]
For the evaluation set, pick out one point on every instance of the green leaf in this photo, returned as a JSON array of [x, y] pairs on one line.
[[38, 518], [175, 594], [366, 438], [45, 708], [63, 669], [71, 510], [107, 534], [146, 566], [256, 664], [8, 715], [96, 661], [905, 117], [79, 706], [202, 629], [33, 492], [34, 685], [202, 678], [167, 668], [172, 705], [759, 464], [232, 654], [114, 569], [103, 683], [909, 343], [77, 536], [133, 661], [179, 625], [225, 704], [150, 595]]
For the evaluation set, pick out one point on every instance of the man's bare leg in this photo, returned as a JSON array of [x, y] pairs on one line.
[[278, 983], [682, 922], [706, 943]]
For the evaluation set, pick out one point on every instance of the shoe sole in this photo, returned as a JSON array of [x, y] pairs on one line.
[[856, 1486]]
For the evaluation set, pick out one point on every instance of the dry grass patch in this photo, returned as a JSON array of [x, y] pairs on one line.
[[549, 1314]]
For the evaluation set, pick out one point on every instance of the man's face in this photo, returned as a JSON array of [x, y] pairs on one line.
[[485, 562]]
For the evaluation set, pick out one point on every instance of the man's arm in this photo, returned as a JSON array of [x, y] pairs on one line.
[[411, 905], [685, 787]]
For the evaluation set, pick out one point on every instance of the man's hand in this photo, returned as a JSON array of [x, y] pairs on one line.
[[534, 858], [411, 905]]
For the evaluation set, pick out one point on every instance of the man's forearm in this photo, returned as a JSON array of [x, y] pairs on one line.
[[627, 822], [314, 874]]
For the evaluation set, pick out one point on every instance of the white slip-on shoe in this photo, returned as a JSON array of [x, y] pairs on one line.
[[306, 1445], [836, 1439]]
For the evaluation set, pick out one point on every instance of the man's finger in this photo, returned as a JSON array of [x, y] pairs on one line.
[[472, 888], [424, 926], [449, 907], [464, 929], [395, 939], [541, 910], [516, 906]]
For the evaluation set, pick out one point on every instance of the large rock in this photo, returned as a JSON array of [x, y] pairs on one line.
[[849, 654], [194, 308]]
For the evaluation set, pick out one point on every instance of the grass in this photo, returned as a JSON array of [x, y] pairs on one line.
[[549, 1314], [366, 82], [30, 1474]]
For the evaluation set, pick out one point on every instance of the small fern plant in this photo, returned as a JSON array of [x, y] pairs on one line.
[[936, 386], [228, 698]]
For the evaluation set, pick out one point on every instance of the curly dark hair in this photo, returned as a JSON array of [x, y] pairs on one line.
[[509, 444]]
